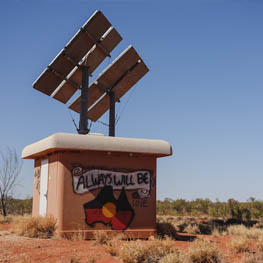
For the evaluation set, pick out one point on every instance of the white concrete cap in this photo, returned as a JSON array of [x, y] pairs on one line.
[[93, 142]]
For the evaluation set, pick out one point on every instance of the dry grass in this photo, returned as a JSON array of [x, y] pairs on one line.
[[112, 248], [101, 237], [39, 227], [79, 235], [253, 258], [6, 219], [259, 225], [164, 251], [240, 244], [259, 246], [192, 229], [172, 258], [75, 258], [216, 232], [78, 258], [203, 251], [241, 230], [142, 252], [112, 245], [91, 259]]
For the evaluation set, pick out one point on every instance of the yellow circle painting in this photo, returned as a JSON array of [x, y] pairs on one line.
[[109, 210]]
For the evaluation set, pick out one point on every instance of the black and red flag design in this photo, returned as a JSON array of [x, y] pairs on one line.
[[106, 209]]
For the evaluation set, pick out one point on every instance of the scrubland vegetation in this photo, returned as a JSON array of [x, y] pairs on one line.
[[165, 251], [252, 209], [17, 206], [38, 227], [201, 223]]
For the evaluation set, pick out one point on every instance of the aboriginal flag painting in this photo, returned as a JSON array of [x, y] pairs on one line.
[[106, 209]]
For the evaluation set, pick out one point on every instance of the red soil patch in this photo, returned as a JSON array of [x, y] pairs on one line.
[[5, 227], [21, 249]]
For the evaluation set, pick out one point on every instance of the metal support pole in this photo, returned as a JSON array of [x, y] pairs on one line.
[[112, 114], [83, 120]]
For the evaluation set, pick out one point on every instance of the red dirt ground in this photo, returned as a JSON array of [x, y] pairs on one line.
[[21, 249]]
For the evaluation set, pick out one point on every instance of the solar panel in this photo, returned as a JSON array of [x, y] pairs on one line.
[[120, 76], [92, 60], [71, 68], [58, 70]]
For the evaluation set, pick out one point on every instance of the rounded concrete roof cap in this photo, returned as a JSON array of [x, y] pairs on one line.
[[96, 142], [97, 134]]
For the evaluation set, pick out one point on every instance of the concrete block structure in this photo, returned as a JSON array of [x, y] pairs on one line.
[[95, 182]]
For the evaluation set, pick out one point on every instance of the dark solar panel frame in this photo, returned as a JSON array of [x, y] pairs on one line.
[[72, 53], [124, 72], [92, 60], [86, 50]]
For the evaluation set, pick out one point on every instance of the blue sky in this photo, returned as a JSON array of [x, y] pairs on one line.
[[203, 93]]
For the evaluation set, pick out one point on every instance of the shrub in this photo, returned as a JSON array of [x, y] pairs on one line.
[[240, 245], [142, 252], [112, 248], [75, 258], [251, 209], [203, 251], [253, 258], [172, 258], [39, 227], [113, 244], [237, 230], [91, 259], [17, 206], [205, 228], [259, 246], [192, 229], [175, 223], [101, 237], [217, 232], [240, 230], [169, 225], [5, 219], [166, 229]]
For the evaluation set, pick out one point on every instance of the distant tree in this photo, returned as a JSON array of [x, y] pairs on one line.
[[167, 199], [10, 168], [235, 209], [251, 199]]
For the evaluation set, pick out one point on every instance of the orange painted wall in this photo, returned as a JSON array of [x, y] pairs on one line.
[[67, 206]]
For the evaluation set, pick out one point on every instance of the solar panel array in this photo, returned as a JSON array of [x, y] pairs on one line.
[[90, 46]]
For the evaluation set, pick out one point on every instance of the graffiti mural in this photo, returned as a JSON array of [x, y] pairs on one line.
[[106, 209], [116, 213], [87, 180]]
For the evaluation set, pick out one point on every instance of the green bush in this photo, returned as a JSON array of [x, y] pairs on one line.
[[252, 209], [18, 206]]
